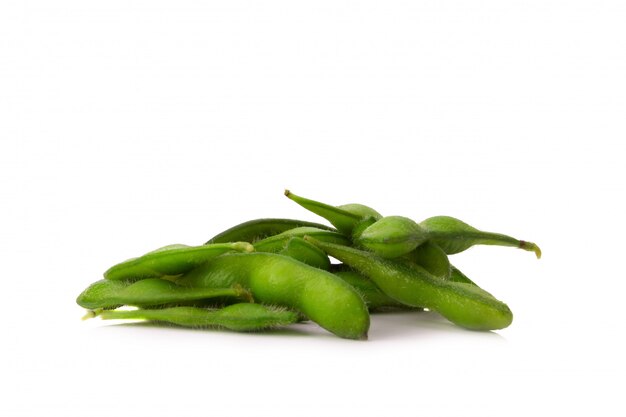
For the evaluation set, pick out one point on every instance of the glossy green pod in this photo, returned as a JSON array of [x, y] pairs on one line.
[[257, 229], [279, 280], [454, 236], [303, 251], [242, 317], [149, 292], [430, 257], [171, 260], [392, 236], [345, 218], [463, 304]]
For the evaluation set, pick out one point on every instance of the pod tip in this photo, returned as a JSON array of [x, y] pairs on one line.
[[287, 192], [530, 246]]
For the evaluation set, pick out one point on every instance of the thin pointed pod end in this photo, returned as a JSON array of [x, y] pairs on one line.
[[530, 246]]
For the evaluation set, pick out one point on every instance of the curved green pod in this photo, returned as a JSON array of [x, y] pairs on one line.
[[454, 236], [257, 229], [303, 251], [392, 236], [345, 218], [463, 304], [242, 317], [279, 280], [430, 257], [277, 242], [171, 260], [149, 292]]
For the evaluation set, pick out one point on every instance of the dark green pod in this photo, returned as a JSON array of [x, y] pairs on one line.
[[463, 304], [149, 292], [254, 230], [242, 317], [392, 236], [279, 280], [345, 218], [171, 260], [454, 236]]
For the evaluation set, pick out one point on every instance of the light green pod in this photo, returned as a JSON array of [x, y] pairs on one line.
[[171, 260], [430, 257], [454, 236], [279, 280], [303, 251], [242, 317], [463, 304], [392, 236], [150, 292], [360, 210], [345, 218]]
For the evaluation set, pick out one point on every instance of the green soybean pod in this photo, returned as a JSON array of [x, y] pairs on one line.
[[242, 317], [303, 251], [345, 218], [392, 236], [149, 292], [277, 242], [258, 229], [463, 304], [279, 280], [432, 258], [454, 236], [171, 260]]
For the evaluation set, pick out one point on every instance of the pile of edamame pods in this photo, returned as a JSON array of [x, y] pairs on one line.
[[268, 273]]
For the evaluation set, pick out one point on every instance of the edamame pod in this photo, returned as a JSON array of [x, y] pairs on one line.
[[392, 236], [345, 218], [171, 260], [242, 317], [454, 236], [463, 304], [149, 292], [279, 280], [258, 229]]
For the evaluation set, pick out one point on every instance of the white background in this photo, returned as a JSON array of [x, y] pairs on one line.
[[128, 125]]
